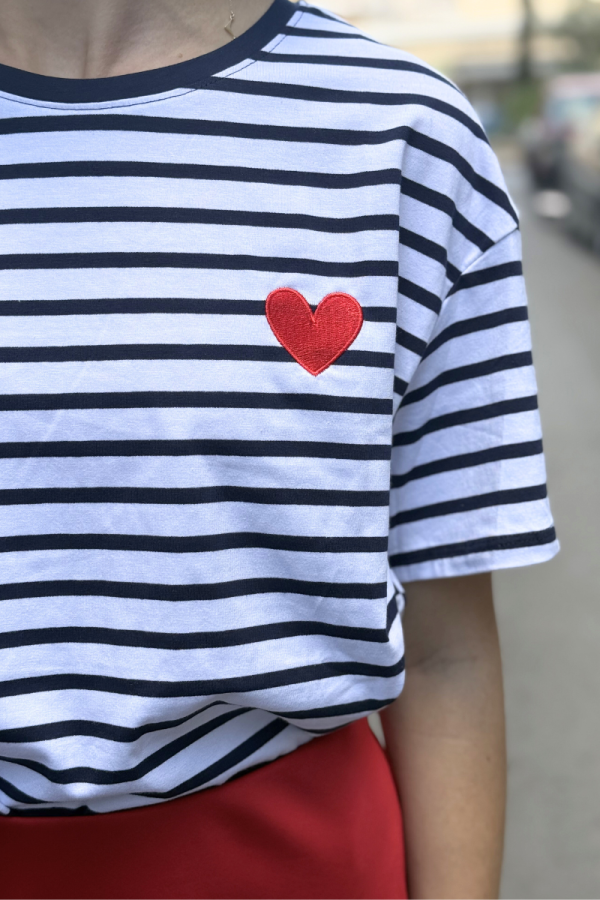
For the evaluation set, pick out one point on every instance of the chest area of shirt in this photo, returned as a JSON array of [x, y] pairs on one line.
[[133, 262]]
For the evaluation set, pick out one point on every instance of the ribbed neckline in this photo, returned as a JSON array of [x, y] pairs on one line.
[[186, 74]]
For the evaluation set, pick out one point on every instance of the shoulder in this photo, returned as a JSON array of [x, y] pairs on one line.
[[356, 90], [324, 44]]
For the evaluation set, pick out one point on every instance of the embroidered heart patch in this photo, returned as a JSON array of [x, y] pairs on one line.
[[315, 340]]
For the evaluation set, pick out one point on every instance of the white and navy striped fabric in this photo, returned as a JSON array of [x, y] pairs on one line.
[[195, 532]]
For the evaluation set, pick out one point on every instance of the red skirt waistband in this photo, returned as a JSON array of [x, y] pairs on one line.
[[322, 822]]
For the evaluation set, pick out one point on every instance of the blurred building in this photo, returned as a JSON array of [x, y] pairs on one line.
[[474, 41]]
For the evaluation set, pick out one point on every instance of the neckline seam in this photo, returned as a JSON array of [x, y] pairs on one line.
[[178, 90], [144, 101], [99, 105], [245, 64]]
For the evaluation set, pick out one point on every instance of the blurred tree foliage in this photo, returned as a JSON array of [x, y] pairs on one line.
[[521, 98], [519, 101], [527, 33], [582, 27]]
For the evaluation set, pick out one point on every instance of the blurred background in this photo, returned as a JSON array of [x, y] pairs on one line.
[[532, 70]]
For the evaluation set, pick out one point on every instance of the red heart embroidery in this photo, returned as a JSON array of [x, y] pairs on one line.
[[315, 340]]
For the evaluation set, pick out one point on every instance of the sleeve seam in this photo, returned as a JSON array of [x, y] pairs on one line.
[[477, 260]]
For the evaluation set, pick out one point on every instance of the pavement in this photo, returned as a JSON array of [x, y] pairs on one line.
[[549, 615]]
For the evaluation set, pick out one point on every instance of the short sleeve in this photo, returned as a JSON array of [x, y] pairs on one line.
[[468, 474]]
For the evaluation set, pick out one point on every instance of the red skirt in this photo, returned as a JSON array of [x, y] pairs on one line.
[[322, 822]]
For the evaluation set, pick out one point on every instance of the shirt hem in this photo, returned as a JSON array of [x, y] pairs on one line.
[[477, 563]]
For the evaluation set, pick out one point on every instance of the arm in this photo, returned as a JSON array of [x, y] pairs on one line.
[[445, 736]]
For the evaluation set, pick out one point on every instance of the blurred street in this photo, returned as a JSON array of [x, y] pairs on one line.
[[550, 615]]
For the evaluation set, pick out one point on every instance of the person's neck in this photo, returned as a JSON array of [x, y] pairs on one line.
[[101, 38]]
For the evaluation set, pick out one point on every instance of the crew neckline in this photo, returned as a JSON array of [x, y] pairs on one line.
[[183, 75]]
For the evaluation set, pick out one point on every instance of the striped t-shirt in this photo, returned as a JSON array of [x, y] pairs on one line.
[[264, 354]]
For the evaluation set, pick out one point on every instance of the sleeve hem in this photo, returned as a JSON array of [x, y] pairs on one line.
[[476, 563]]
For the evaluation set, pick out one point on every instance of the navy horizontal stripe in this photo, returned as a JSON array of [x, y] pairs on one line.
[[198, 640], [341, 709], [478, 323], [419, 294], [211, 543], [245, 750], [134, 687], [177, 593], [89, 775], [196, 495], [195, 400], [202, 640], [442, 151], [400, 386], [295, 31], [288, 133], [481, 545], [51, 731], [15, 794], [468, 373], [186, 216], [488, 276], [430, 249], [169, 305], [362, 62], [199, 172], [410, 342], [312, 94], [452, 273], [121, 734], [228, 261], [467, 416], [469, 460], [118, 122], [445, 204], [207, 447], [317, 11], [231, 352], [98, 776], [466, 504]]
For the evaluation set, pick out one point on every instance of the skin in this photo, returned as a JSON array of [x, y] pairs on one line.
[[445, 734], [446, 740], [101, 38]]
